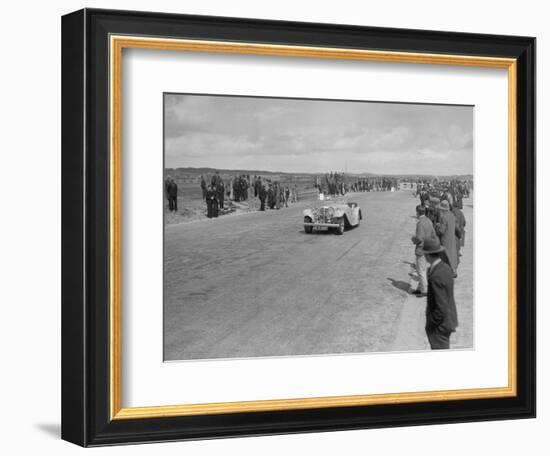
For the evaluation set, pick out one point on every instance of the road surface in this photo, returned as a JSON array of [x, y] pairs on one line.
[[256, 284]]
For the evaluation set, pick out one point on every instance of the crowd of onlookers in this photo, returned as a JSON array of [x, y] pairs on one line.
[[335, 183], [259, 193], [440, 235], [441, 202]]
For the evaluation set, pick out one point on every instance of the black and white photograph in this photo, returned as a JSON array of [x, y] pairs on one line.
[[299, 227]]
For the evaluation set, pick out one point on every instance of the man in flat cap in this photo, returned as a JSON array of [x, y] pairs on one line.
[[441, 316]]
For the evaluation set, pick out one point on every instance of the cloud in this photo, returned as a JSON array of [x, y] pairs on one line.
[[314, 135]]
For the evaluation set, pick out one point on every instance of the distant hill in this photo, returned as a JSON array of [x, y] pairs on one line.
[[192, 172], [431, 176], [200, 171]]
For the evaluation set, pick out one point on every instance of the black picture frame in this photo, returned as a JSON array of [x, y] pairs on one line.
[[85, 228]]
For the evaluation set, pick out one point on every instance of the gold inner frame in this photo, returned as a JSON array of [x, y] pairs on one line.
[[117, 44]]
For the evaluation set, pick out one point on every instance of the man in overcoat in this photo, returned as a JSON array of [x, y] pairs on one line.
[[262, 194], [277, 194], [172, 193], [460, 230], [221, 192], [211, 202], [271, 196], [424, 230], [441, 315], [445, 229]]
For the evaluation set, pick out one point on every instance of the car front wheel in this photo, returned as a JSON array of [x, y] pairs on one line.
[[307, 229], [341, 226]]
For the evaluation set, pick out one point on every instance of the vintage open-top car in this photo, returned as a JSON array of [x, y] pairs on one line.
[[337, 216]]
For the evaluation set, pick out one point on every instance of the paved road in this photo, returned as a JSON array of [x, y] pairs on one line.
[[256, 285]]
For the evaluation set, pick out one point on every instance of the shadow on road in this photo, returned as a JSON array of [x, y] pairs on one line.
[[400, 284], [318, 232], [412, 265]]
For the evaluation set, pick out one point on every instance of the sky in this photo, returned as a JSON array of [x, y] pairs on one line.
[[314, 136]]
